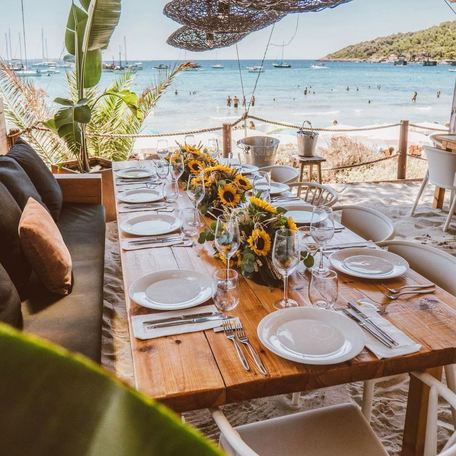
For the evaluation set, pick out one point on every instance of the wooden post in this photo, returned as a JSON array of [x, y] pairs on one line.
[[3, 134], [453, 113], [403, 147], [226, 140]]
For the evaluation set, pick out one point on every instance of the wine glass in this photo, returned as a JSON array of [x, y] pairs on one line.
[[162, 148], [189, 140], [262, 185], [227, 237], [322, 229], [177, 165], [285, 259], [191, 223], [162, 171], [323, 289], [195, 189], [213, 147]]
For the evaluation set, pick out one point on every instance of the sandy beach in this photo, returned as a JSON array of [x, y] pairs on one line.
[[393, 199]]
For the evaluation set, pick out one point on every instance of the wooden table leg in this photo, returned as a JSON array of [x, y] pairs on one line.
[[310, 172], [302, 172], [416, 416], [439, 196], [319, 172]]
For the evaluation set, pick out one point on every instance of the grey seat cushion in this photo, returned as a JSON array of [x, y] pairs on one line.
[[11, 255], [41, 176], [74, 321], [10, 303]]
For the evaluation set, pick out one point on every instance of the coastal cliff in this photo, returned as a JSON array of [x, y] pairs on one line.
[[436, 43]]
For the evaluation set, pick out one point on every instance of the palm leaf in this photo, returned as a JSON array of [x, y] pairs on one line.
[[26, 106]]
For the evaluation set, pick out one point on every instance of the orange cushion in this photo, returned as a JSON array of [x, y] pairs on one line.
[[45, 249]]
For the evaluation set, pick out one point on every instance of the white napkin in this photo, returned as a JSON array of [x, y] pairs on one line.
[[141, 332], [406, 345]]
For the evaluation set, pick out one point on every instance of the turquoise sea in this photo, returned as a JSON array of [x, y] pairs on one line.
[[197, 99]]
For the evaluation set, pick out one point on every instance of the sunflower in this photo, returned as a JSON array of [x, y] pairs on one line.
[[259, 242], [261, 204], [195, 166], [220, 168], [229, 195], [243, 182], [291, 224], [191, 149]]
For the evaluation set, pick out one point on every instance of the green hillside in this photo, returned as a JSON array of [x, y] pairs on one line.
[[438, 42]]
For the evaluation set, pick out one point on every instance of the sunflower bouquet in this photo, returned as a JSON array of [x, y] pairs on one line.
[[258, 223], [195, 160], [224, 188]]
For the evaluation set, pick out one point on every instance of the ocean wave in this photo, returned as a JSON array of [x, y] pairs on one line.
[[224, 117], [316, 113], [423, 108]]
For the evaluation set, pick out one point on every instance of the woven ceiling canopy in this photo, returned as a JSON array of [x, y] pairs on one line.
[[219, 16], [289, 6], [192, 39]]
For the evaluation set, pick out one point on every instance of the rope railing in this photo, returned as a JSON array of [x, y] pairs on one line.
[[357, 165], [422, 127]]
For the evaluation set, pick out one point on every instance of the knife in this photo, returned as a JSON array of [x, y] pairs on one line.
[[369, 329], [367, 320], [156, 241], [183, 317], [189, 321]]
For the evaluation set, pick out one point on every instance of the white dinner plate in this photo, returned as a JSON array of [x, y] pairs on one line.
[[245, 169], [141, 195], [309, 335], [133, 173], [301, 213], [369, 263], [172, 289], [277, 188], [151, 224]]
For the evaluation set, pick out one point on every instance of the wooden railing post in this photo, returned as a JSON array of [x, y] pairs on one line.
[[226, 140], [3, 134], [403, 147]]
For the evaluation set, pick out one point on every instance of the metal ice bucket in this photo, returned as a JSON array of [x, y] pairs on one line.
[[307, 140], [259, 150]]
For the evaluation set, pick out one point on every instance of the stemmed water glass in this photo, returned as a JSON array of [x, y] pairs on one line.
[[262, 185], [162, 171], [191, 222], [162, 148], [189, 140], [285, 259], [195, 189], [227, 238], [322, 229], [213, 147], [177, 165]]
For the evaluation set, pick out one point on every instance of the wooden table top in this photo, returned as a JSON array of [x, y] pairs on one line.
[[199, 370]]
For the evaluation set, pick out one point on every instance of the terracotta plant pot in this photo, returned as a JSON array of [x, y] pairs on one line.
[[99, 166]]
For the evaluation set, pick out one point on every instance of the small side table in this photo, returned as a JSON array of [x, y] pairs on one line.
[[310, 162]]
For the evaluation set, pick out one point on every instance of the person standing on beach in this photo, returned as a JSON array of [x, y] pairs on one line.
[[415, 94], [175, 92], [438, 93], [244, 101], [252, 101], [228, 101], [236, 102]]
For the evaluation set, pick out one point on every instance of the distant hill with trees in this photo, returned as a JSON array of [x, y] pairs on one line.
[[436, 43]]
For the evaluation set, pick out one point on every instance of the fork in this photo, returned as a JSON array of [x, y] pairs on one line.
[[416, 287], [229, 333], [243, 338], [397, 296]]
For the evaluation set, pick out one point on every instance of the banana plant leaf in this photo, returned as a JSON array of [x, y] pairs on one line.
[[57, 403]]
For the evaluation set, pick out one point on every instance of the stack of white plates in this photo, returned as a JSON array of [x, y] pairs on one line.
[[151, 224], [311, 335], [301, 213], [141, 195], [133, 173], [369, 263], [172, 289]]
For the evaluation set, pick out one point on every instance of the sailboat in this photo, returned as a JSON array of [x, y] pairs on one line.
[[218, 66], [45, 66], [281, 64]]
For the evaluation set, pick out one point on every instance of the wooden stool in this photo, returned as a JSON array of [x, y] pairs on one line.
[[310, 162]]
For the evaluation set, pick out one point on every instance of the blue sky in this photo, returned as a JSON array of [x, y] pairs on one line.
[[146, 28]]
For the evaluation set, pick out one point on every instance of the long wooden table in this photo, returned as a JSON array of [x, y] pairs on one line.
[[199, 370]]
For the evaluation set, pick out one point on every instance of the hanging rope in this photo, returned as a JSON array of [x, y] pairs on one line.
[[449, 6], [292, 37]]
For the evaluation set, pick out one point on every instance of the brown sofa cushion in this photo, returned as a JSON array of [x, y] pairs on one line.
[[42, 178], [10, 303], [45, 249]]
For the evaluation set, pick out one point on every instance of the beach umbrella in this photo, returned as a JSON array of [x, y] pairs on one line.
[[290, 6], [192, 39], [218, 16]]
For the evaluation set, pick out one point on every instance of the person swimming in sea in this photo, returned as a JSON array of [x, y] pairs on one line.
[[228, 101], [236, 102], [252, 101]]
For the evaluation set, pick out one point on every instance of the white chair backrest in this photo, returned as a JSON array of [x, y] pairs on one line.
[[315, 194], [282, 173], [434, 264], [367, 223], [441, 166]]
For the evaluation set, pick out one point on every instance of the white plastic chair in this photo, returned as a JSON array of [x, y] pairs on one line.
[[435, 265], [368, 223], [314, 194], [338, 430], [442, 173], [281, 173]]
